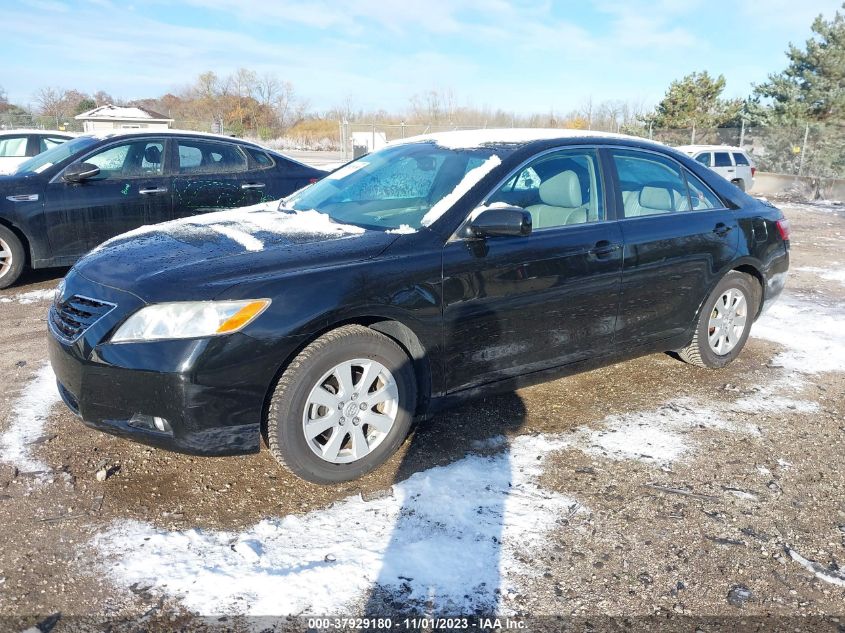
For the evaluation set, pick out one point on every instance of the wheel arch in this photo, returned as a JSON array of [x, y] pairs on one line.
[[27, 248], [396, 330]]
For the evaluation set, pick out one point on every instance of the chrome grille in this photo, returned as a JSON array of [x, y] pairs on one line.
[[73, 316]]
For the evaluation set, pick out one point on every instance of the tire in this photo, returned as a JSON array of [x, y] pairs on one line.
[[312, 392], [740, 184], [12, 257], [736, 293]]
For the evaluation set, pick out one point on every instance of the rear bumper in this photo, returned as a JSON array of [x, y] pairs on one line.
[[211, 391]]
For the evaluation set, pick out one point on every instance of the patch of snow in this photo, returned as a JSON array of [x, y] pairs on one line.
[[472, 178], [468, 139], [475, 517], [810, 330], [243, 225], [33, 296], [825, 273], [742, 494], [833, 576], [26, 421], [404, 229], [653, 436], [489, 443], [784, 464]]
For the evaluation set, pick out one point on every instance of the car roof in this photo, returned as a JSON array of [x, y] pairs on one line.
[[689, 149], [467, 139], [110, 134], [35, 131]]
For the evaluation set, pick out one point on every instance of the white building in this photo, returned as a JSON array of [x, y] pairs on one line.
[[111, 117]]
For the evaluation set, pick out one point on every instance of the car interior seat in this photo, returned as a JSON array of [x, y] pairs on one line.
[[561, 202]]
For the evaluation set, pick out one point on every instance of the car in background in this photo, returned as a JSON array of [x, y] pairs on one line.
[[62, 203], [429, 271], [17, 146], [731, 163]]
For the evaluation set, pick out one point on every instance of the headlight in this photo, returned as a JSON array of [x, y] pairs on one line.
[[188, 319]]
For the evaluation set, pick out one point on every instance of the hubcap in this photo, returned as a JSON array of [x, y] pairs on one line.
[[727, 321], [5, 258], [350, 410]]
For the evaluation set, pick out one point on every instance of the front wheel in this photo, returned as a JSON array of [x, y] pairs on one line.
[[343, 406], [12, 257], [724, 322]]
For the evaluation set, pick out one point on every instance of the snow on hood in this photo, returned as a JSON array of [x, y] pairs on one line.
[[245, 225]]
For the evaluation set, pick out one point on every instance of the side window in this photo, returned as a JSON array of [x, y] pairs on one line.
[[203, 157], [722, 159], [46, 142], [740, 159], [704, 159], [137, 159], [700, 195], [557, 189], [259, 158], [13, 147], [650, 184]]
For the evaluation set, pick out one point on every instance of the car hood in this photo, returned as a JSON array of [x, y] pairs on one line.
[[202, 256]]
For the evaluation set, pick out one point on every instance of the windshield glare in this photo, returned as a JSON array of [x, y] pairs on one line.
[[392, 187], [57, 154]]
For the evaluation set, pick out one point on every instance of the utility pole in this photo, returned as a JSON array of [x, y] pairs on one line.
[[803, 149]]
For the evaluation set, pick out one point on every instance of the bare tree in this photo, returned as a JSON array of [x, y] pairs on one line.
[[52, 103]]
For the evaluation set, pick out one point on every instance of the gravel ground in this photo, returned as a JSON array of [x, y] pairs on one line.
[[694, 492]]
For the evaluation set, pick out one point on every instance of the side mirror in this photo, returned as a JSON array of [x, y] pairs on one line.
[[500, 220], [79, 172]]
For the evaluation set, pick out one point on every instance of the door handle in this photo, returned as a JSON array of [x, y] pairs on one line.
[[146, 192], [731, 169], [604, 249], [253, 185], [722, 229]]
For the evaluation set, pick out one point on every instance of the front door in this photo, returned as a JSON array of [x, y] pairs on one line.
[[131, 190], [678, 238], [513, 305]]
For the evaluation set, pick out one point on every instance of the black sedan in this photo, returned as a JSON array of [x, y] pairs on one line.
[[418, 275], [62, 203]]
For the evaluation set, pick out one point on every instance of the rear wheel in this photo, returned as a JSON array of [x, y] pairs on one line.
[[11, 257], [724, 322], [343, 406]]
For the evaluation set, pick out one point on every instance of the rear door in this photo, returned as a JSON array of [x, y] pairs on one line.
[[211, 175], [678, 237], [282, 176], [743, 168], [132, 189], [513, 305]]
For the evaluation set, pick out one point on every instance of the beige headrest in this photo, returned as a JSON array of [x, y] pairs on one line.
[[563, 190], [659, 198]]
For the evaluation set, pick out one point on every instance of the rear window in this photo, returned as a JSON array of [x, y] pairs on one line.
[[723, 159], [13, 147], [740, 159], [261, 159], [208, 157]]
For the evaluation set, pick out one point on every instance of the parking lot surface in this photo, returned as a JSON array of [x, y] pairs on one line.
[[648, 487]]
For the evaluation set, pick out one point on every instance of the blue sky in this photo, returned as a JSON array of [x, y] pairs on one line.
[[518, 55]]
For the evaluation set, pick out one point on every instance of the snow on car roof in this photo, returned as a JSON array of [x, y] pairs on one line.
[[162, 132], [464, 139]]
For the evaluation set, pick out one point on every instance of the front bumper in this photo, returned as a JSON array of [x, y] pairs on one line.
[[211, 390]]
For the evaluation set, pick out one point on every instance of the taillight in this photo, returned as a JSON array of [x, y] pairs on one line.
[[783, 229], [753, 171], [311, 181]]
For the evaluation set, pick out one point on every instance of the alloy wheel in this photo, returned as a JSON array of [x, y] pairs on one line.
[[728, 320]]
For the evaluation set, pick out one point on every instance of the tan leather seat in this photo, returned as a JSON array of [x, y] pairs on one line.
[[650, 201], [562, 202]]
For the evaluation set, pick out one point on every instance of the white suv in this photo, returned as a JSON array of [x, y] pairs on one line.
[[732, 163], [17, 146]]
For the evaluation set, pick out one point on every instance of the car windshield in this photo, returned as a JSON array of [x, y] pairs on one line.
[[398, 186], [57, 154]]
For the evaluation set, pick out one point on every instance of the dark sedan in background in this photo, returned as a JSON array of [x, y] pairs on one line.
[[62, 203]]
